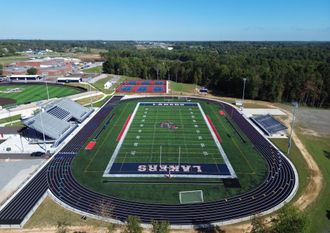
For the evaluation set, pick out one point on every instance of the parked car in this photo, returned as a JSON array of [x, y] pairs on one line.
[[37, 154]]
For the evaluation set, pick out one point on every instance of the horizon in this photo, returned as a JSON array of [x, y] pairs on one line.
[[200, 41], [170, 20]]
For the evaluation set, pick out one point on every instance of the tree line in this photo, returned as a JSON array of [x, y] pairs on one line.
[[275, 71]]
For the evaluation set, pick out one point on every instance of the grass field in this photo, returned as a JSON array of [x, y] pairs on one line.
[[49, 214], [11, 59], [182, 87], [100, 85], [34, 92], [96, 69], [88, 166]]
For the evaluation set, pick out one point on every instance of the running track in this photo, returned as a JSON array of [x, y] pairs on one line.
[[278, 186]]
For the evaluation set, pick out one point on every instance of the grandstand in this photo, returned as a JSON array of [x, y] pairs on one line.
[[56, 121], [268, 124]]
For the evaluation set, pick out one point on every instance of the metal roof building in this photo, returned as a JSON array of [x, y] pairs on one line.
[[58, 119]]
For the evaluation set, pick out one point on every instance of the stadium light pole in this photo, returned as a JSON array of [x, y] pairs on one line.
[[294, 111], [43, 130], [47, 90], [90, 90], [244, 81]]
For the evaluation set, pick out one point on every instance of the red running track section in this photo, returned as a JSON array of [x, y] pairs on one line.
[[90, 145], [124, 127], [214, 129]]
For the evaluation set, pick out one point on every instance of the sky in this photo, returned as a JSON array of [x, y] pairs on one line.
[[194, 20]]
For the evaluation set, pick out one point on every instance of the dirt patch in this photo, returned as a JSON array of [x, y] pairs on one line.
[[6, 101], [90, 57]]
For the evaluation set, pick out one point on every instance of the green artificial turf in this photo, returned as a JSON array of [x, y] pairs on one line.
[[88, 166], [147, 141]]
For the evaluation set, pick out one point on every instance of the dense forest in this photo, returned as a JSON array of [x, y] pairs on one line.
[[275, 71]]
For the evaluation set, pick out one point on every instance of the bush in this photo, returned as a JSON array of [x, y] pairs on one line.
[[160, 226], [133, 225], [32, 71]]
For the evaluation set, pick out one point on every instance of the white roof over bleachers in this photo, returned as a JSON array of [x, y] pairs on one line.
[[50, 125], [58, 119], [66, 109]]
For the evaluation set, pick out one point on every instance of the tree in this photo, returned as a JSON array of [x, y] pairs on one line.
[[32, 71], [1, 69], [258, 225], [133, 225], [289, 220], [160, 226]]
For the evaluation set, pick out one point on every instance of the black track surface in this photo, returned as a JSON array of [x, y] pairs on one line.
[[276, 188]]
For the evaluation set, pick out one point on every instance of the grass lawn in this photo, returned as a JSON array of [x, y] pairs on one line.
[[319, 147], [318, 211], [11, 59], [88, 100], [50, 213], [182, 87], [96, 69], [27, 93], [88, 166], [10, 119], [100, 85]]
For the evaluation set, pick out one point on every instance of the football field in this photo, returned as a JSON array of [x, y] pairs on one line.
[[168, 137], [146, 144]]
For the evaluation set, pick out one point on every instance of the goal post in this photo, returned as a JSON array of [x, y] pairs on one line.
[[189, 197]]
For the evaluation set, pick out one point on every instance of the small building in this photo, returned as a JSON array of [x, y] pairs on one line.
[[69, 80], [25, 77], [108, 85]]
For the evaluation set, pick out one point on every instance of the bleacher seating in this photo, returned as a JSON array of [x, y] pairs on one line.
[[268, 124], [58, 112]]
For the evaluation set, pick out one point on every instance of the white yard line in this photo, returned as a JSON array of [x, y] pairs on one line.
[[222, 152], [115, 153]]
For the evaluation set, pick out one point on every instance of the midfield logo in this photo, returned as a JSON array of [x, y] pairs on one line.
[[169, 168]]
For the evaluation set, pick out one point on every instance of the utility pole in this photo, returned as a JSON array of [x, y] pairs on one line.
[[294, 111], [244, 81]]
